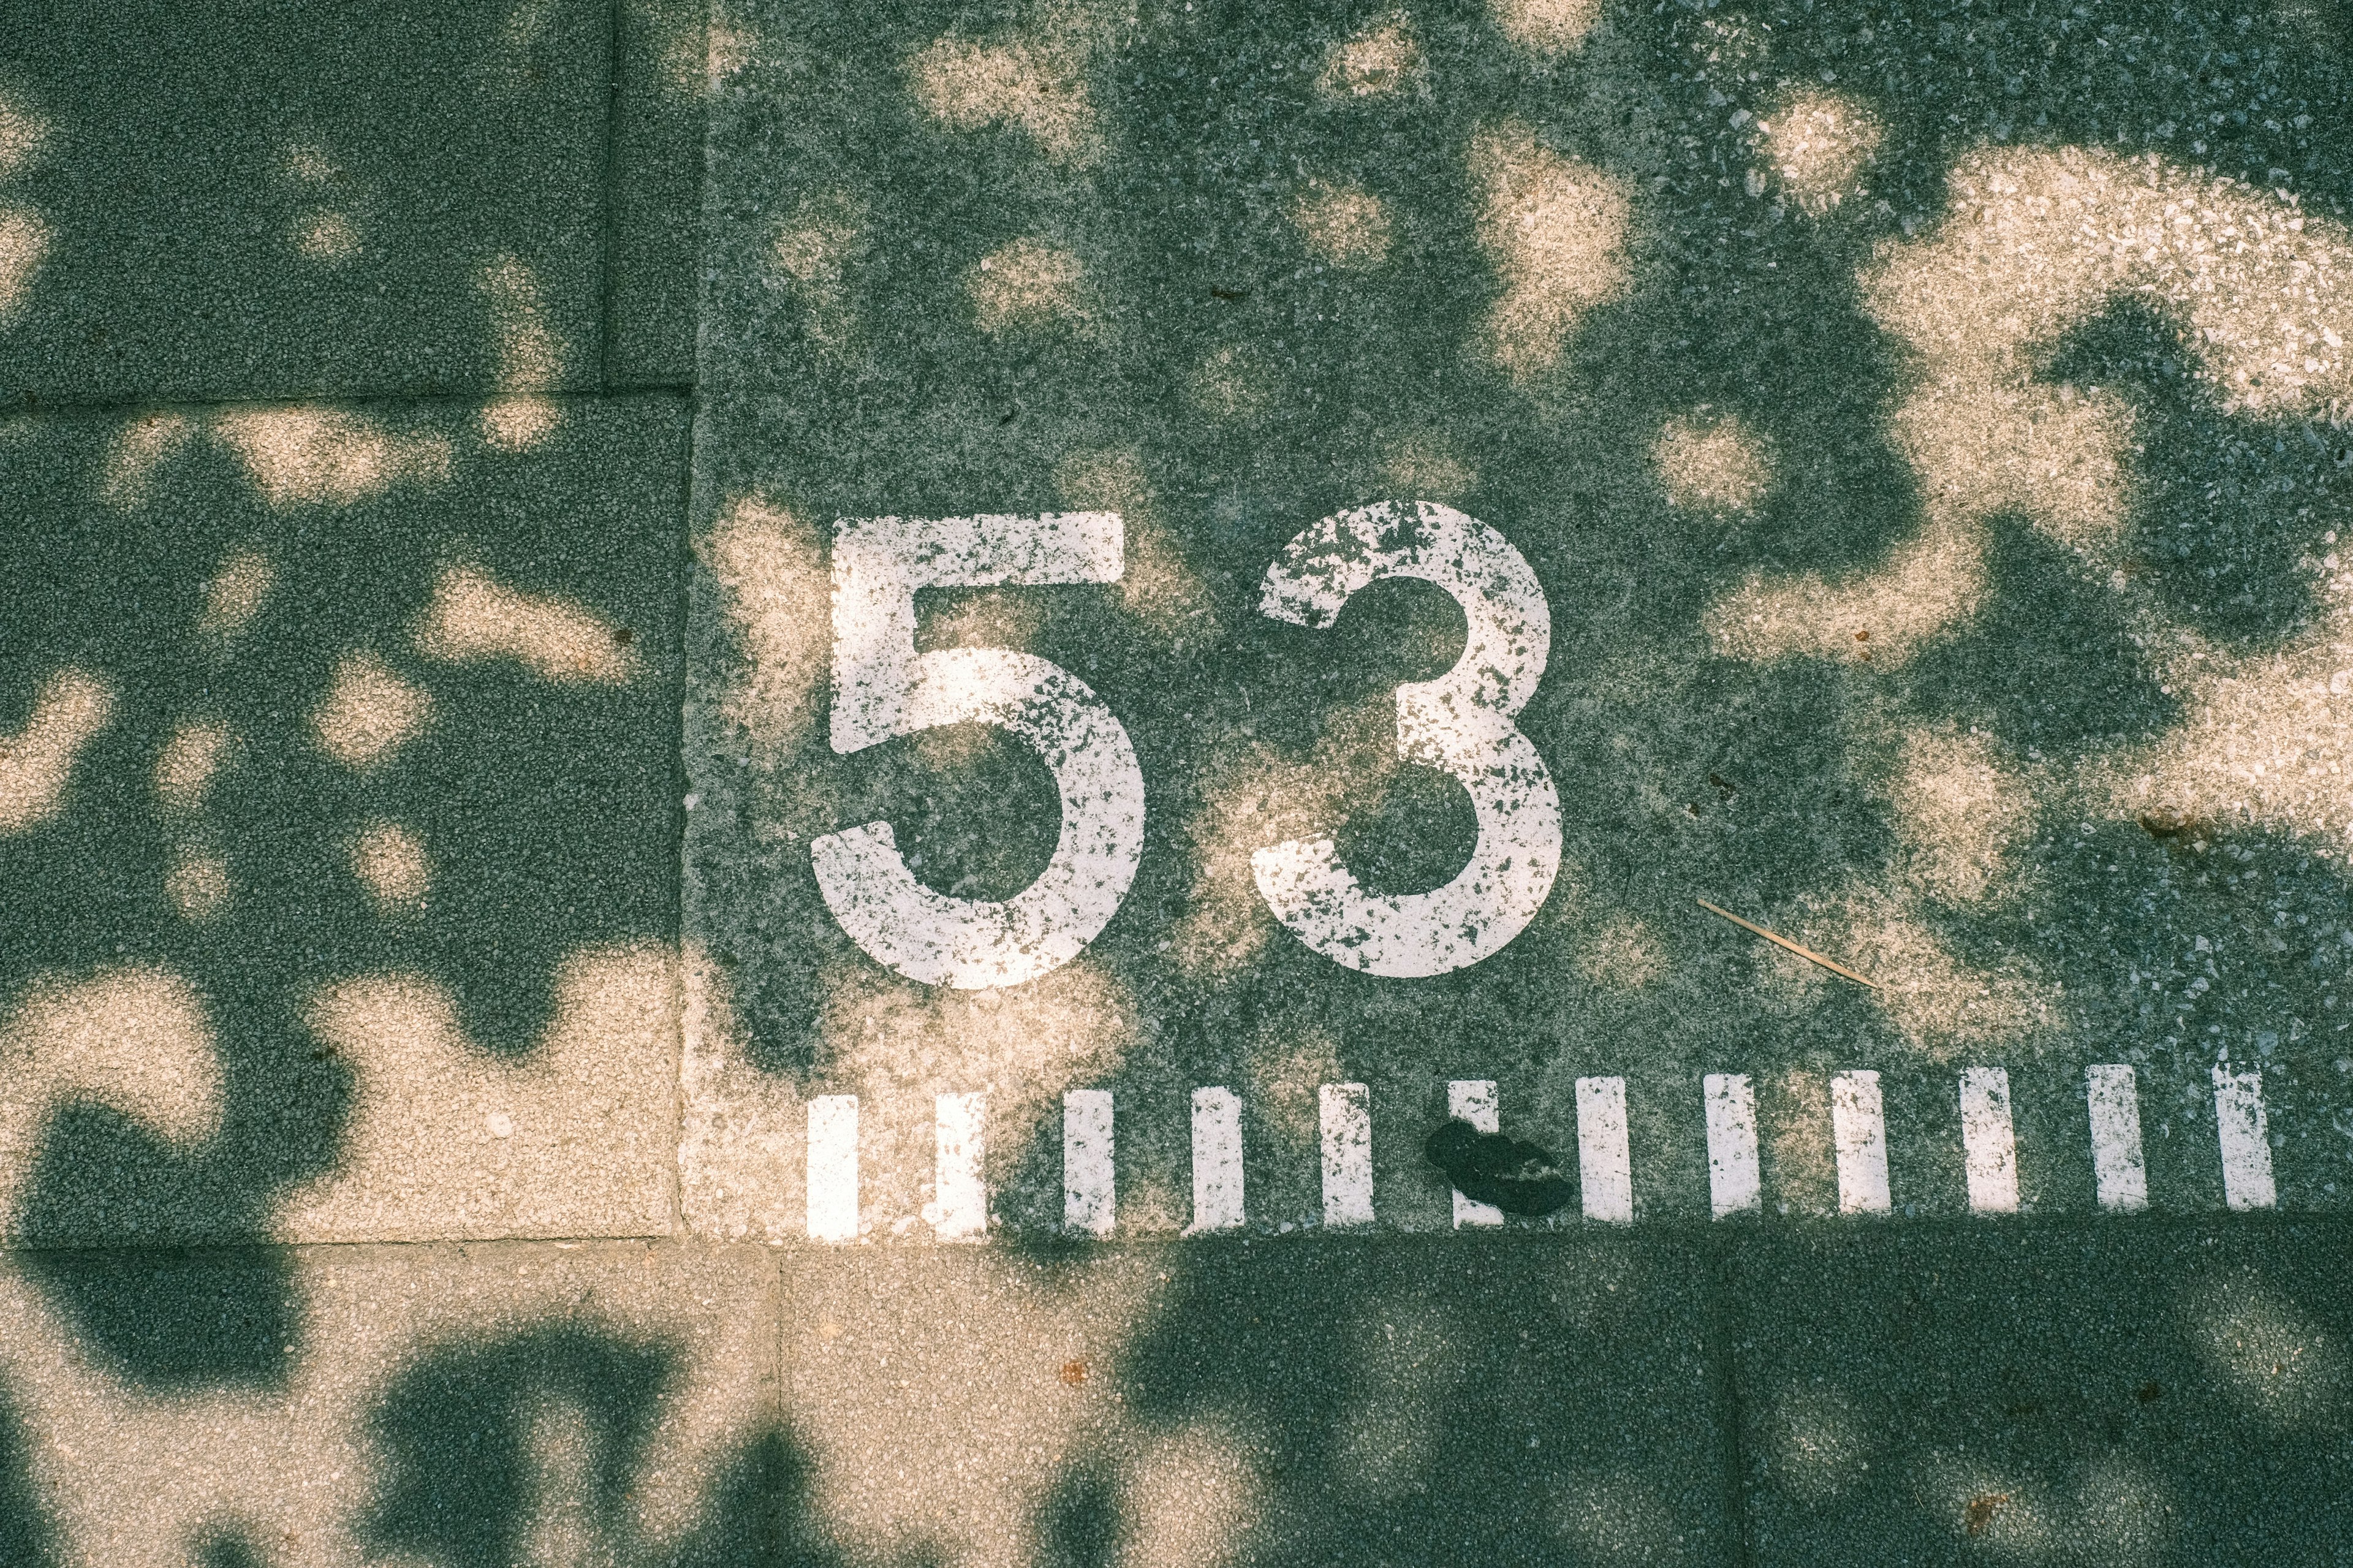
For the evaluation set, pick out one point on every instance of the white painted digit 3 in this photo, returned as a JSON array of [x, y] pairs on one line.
[[1462, 722], [883, 689]]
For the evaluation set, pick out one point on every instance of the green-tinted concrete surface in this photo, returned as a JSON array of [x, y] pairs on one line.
[[239, 199], [341, 821], [2131, 1394], [655, 235], [1893, 461], [1510, 1402], [1926, 427], [445, 1404]]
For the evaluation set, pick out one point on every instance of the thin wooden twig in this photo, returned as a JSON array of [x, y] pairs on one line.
[[1835, 968]]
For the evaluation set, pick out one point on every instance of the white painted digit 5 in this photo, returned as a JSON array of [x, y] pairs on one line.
[[1462, 722], [883, 689]]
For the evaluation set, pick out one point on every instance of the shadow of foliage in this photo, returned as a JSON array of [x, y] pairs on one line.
[[2048, 665], [2166, 1394], [229, 1550], [761, 1511], [178, 1321], [1462, 1399], [465, 1433], [28, 1537], [274, 201], [1078, 1526], [1242, 377], [2226, 511], [457, 1430], [546, 809]]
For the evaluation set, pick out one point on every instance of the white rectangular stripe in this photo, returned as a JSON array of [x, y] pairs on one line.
[[959, 1207], [1859, 1136], [2119, 1175], [1474, 1100], [1605, 1163], [1735, 1181], [2245, 1136], [833, 1168], [1087, 1184], [1345, 1111], [1217, 1161], [1988, 1144]]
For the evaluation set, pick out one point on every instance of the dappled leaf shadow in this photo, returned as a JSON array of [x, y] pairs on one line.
[[496, 1451], [1945, 76], [178, 1321], [1190, 268], [1466, 1400], [459, 1428], [761, 1505], [27, 1533], [332, 757], [2228, 510], [1080, 1527], [2048, 665], [1952, 1393], [227, 1550], [261, 201]]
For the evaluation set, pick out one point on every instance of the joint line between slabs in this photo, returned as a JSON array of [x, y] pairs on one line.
[[681, 609]]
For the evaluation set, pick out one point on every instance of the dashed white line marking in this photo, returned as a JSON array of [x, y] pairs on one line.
[[1605, 1161], [2120, 1174], [1473, 1100], [833, 1167], [959, 1207], [1735, 1182], [1987, 1142], [1345, 1111], [2244, 1133], [1217, 1161], [1859, 1136], [1088, 1185]]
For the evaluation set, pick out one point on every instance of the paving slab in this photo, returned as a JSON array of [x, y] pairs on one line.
[[235, 199], [1415, 1402], [2142, 1392], [340, 822], [1960, 597], [446, 1405]]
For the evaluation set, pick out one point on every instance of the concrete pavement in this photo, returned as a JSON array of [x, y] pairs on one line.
[[565, 999]]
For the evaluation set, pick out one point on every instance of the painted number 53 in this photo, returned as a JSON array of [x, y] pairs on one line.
[[1462, 722]]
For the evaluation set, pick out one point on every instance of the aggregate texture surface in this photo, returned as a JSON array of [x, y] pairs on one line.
[[1959, 1391], [476, 1092], [1925, 425], [235, 199], [341, 864]]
